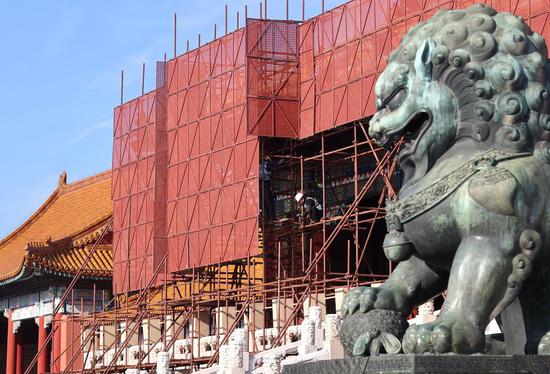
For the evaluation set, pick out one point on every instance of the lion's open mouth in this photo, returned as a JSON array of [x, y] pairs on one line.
[[415, 126], [414, 130]]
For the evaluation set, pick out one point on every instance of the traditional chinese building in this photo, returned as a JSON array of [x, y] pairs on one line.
[[37, 262]]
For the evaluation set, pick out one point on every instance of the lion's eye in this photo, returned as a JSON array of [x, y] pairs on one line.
[[396, 99]]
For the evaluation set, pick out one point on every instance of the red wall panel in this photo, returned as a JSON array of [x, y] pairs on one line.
[[273, 83], [210, 156], [133, 192], [186, 156], [343, 50]]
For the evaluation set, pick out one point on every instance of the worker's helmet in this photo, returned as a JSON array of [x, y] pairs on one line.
[[299, 196]]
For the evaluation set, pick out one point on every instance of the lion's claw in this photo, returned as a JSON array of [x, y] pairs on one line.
[[360, 298], [367, 299], [417, 340], [443, 336], [351, 301]]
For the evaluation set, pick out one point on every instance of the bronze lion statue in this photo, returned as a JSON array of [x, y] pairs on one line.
[[468, 94]]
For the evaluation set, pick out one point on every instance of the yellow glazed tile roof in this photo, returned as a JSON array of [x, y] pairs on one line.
[[58, 235], [70, 260]]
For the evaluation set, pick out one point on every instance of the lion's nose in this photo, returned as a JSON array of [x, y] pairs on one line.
[[375, 130]]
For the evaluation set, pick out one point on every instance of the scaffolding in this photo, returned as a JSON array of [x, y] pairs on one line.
[[249, 284], [238, 127]]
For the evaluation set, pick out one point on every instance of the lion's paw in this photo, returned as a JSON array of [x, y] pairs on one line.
[[360, 298], [364, 299], [444, 336]]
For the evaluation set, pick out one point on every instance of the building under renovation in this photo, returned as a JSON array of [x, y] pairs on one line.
[[246, 195]]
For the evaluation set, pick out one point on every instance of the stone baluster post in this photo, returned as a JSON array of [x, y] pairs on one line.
[[426, 312], [163, 361], [315, 313], [307, 341], [332, 343], [272, 364], [231, 358]]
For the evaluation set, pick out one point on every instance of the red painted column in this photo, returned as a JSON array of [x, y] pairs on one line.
[[55, 363], [10, 347], [42, 365], [19, 352]]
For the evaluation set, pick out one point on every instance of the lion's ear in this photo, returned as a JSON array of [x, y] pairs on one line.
[[423, 61]]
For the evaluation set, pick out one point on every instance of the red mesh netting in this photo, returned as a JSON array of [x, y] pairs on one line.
[[273, 97], [212, 175], [343, 50], [133, 193]]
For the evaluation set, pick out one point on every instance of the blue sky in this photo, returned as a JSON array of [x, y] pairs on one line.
[[60, 79]]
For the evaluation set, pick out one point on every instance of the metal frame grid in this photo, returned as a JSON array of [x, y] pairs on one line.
[[273, 94], [343, 50], [242, 283], [133, 192], [212, 175]]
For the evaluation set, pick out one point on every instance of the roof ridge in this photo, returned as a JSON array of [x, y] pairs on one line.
[[31, 218], [86, 181], [61, 189]]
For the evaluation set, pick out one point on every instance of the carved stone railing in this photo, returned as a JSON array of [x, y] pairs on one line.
[[312, 337]]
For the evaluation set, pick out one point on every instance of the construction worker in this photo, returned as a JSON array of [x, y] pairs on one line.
[[266, 192], [312, 209]]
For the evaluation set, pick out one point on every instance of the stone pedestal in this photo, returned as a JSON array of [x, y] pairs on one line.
[[405, 364]]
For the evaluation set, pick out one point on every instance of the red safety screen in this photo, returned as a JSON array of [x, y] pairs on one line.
[[133, 193], [212, 175], [343, 50], [273, 98], [186, 157]]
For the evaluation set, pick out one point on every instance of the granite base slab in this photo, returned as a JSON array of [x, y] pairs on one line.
[[432, 364]]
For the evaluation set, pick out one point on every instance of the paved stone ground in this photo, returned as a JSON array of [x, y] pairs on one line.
[[427, 364]]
